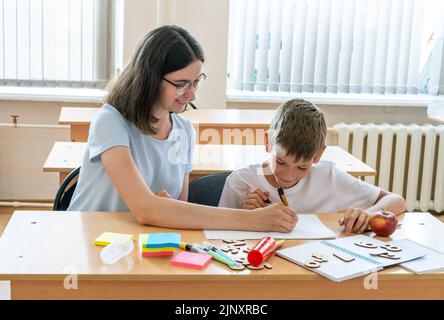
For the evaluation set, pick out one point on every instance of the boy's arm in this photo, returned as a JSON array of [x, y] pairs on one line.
[[229, 197], [233, 196], [389, 202], [356, 220]]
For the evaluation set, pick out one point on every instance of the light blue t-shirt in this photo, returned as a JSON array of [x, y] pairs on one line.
[[162, 163]]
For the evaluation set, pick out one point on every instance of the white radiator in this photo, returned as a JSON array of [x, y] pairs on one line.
[[409, 159]]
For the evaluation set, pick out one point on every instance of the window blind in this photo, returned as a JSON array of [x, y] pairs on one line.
[[60, 43], [336, 46]]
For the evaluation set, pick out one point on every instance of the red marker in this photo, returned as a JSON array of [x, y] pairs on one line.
[[262, 250]]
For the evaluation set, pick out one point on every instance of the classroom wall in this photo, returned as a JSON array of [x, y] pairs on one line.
[[208, 22], [23, 151]]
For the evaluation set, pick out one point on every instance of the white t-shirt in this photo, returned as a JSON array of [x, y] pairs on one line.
[[325, 189], [162, 163]]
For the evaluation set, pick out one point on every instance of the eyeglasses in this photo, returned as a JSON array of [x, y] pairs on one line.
[[185, 85]]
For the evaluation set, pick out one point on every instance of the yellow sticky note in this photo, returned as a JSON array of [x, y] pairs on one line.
[[107, 237]]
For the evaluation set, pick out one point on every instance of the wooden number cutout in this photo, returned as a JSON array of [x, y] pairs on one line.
[[344, 257], [319, 257], [312, 264], [368, 245], [386, 255], [391, 248]]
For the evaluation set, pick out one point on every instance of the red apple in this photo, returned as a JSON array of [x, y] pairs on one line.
[[383, 223]]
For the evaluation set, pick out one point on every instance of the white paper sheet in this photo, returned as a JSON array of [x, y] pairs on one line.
[[432, 262], [308, 227], [423, 228]]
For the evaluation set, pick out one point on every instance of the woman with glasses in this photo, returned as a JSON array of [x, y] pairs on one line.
[[139, 150]]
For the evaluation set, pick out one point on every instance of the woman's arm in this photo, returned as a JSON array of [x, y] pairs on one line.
[[184, 193], [163, 212]]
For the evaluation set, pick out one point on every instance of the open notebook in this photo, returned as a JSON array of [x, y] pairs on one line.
[[349, 257], [309, 226]]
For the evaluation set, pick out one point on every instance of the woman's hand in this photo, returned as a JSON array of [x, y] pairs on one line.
[[276, 217], [355, 220], [256, 199]]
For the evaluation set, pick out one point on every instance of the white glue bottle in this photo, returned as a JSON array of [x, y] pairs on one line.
[[116, 250]]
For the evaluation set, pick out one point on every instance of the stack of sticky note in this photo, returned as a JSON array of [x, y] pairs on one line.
[[107, 237], [158, 244]]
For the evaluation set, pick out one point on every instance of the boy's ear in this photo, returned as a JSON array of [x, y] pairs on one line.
[[318, 156]]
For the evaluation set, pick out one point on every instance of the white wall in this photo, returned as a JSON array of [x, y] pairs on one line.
[[140, 16], [23, 151], [22, 155], [208, 22]]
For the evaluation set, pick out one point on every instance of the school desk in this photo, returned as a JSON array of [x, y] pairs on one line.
[[79, 120], [44, 252], [217, 126], [208, 159]]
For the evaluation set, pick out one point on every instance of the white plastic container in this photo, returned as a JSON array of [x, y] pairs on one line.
[[116, 250]]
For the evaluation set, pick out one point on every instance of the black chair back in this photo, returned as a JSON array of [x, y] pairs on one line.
[[65, 192], [207, 190]]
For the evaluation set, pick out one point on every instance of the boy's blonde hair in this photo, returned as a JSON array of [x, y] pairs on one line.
[[299, 129]]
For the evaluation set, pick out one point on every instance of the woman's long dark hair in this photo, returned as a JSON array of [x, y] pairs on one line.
[[136, 89]]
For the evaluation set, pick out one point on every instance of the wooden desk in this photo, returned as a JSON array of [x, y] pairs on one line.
[[208, 159], [64, 157], [217, 126], [79, 119], [39, 249]]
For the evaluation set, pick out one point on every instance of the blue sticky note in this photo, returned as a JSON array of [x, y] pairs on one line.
[[161, 240]]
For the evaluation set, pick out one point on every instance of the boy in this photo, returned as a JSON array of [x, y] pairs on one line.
[[296, 140]]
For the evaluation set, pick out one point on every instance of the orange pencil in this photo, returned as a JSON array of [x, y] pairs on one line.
[[279, 243], [282, 196]]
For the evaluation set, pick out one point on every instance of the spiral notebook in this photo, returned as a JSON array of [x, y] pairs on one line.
[[343, 259]]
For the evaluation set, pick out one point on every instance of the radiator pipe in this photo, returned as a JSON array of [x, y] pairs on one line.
[[40, 126], [17, 204]]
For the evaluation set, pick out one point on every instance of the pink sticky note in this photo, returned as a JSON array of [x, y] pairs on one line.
[[191, 260], [157, 254]]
